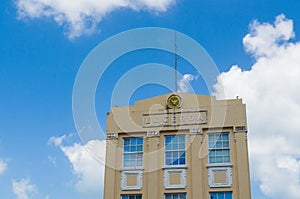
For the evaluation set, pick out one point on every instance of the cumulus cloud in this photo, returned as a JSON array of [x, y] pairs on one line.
[[82, 16], [267, 39], [271, 91], [87, 165], [184, 83], [23, 189], [3, 166]]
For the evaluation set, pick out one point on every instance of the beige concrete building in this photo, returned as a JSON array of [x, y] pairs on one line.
[[177, 146]]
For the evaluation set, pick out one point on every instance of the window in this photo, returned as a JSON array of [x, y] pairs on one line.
[[175, 196], [133, 152], [175, 150], [218, 146], [132, 196], [221, 195]]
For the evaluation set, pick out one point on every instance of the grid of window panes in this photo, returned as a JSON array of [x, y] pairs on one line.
[[175, 150], [221, 195], [175, 196], [219, 149], [133, 152], [132, 196]]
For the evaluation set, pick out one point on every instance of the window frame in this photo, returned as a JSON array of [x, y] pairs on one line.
[[178, 194], [220, 192], [124, 152], [210, 149], [135, 195], [180, 152]]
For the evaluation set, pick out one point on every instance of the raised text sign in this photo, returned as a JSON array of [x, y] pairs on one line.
[[174, 118]]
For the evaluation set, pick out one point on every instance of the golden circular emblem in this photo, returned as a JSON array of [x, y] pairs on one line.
[[174, 101]]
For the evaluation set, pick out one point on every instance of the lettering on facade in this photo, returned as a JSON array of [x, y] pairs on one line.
[[174, 119]]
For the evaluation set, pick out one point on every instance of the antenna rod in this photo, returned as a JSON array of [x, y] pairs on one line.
[[175, 60]]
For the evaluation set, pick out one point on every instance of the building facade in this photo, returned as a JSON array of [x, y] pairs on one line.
[[177, 146]]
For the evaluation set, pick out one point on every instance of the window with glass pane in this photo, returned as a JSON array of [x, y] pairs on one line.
[[219, 149], [221, 195], [132, 196], [175, 150], [133, 152], [175, 196]]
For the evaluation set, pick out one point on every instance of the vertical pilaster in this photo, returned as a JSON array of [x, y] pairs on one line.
[[151, 168], [243, 166], [195, 170], [110, 169]]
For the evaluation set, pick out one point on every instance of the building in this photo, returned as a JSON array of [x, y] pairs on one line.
[[177, 146]]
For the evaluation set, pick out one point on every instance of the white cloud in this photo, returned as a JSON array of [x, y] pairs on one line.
[[271, 92], [82, 16], [57, 141], [266, 39], [88, 165], [184, 83], [23, 189], [3, 166], [52, 160]]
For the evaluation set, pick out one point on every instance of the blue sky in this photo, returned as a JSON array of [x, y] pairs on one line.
[[40, 58]]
